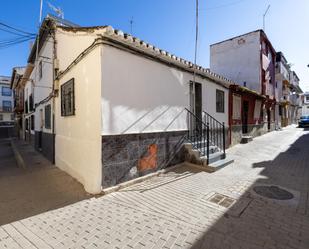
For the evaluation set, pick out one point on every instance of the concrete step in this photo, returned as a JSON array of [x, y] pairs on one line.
[[212, 167], [246, 139], [214, 157]]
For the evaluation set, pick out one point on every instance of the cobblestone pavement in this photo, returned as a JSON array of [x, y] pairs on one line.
[[175, 210], [36, 189]]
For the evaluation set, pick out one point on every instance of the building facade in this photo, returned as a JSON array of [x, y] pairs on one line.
[[107, 107], [17, 87], [140, 95], [288, 93], [248, 59], [305, 105], [6, 106], [295, 98]]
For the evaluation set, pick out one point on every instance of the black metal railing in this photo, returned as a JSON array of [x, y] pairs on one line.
[[216, 131], [198, 134]]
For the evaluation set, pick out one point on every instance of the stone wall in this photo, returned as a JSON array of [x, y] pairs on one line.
[[128, 156], [253, 130]]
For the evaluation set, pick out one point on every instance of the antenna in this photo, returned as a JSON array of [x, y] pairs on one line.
[[264, 16], [131, 25], [58, 10]]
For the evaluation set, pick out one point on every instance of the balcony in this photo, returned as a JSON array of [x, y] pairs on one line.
[[282, 73]]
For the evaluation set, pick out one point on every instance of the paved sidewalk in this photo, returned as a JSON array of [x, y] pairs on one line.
[[175, 211], [38, 188]]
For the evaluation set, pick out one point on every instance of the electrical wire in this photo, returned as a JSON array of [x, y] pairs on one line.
[[9, 44], [11, 32], [19, 37], [223, 5], [16, 29]]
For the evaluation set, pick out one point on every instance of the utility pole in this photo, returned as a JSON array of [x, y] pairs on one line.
[[264, 16], [195, 54]]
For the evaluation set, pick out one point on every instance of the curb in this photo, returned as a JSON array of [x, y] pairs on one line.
[[19, 159], [120, 186]]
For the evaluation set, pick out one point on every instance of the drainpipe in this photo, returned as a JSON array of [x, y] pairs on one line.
[[54, 93], [230, 113]]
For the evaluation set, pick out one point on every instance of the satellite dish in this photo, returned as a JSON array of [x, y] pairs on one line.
[[58, 10]]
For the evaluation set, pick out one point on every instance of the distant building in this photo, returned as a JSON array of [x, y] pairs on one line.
[[305, 107], [17, 86], [248, 59], [288, 93], [6, 103], [295, 98]]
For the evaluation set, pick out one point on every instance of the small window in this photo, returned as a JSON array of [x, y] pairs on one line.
[[12, 116], [6, 91], [47, 116], [40, 70], [1, 117], [32, 122], [7, 106], [67, 98], [220, 101]]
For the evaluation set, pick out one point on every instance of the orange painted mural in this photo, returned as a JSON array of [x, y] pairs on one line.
[[149, 161]]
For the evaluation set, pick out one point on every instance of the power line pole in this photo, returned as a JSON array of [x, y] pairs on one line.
[[195, 53], [264, 16]]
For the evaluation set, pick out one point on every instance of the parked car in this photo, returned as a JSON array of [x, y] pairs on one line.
[[303, 121]]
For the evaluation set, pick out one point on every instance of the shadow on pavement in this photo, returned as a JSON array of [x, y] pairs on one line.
[[38, 188], [264, 222]]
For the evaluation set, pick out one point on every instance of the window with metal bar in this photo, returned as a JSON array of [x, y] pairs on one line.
[[68, 98], [219, 101]]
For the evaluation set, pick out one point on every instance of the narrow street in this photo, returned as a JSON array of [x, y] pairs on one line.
[[180, 209], [37, 188]]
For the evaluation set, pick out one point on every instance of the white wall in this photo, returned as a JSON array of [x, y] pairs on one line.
[[43, 86], [238, 59], [305, 110], [40, 121], [142, 95], [6, 117], [40, 88], [306, 98], [78, 137], [116, 92]]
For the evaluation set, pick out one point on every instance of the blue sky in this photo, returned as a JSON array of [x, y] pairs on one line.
[[170, 25]]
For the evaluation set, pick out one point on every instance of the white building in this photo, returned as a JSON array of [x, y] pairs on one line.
[[38, 87], [305, 106], [6, 103], [250, 60], [122, 101], [107, 107]]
